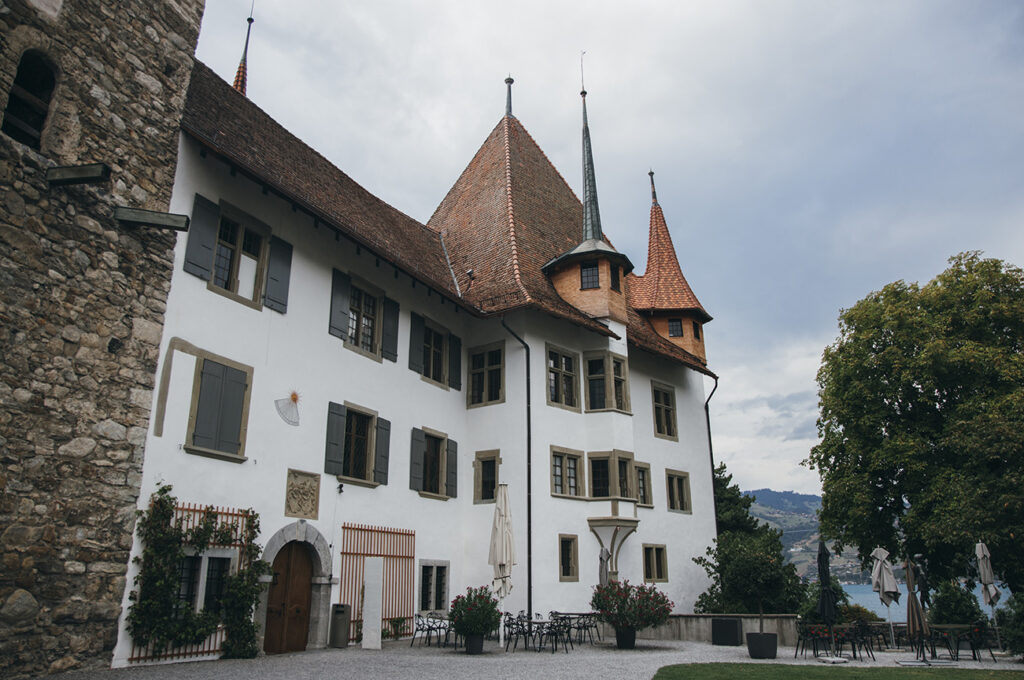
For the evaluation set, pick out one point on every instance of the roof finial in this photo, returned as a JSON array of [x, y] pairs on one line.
[[583, 87], [242, 73], [591, 213], [508, 96], [654, 193]]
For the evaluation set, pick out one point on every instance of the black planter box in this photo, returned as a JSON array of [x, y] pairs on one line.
[[727, 632], [762, 645]]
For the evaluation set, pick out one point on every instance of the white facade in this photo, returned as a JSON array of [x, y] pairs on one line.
[[294, 351]]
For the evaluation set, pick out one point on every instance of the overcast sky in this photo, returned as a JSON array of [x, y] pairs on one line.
[[806, 153]]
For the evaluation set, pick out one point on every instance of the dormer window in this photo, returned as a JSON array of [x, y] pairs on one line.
[[29, 100], [675, 328], [589, 276], [616, 286]]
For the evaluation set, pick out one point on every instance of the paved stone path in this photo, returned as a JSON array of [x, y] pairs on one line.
[[399, 660]]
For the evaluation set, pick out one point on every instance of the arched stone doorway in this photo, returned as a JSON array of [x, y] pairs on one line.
[[307, 543]]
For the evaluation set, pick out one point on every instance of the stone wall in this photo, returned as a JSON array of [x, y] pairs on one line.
[[697, 627], [81, 314]]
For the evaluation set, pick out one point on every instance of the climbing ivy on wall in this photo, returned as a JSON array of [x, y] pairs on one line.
[[157, 616]]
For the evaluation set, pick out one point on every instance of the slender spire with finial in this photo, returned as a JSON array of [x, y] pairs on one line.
[[508, 96], [654, 193], [591, 213], [241, 74]]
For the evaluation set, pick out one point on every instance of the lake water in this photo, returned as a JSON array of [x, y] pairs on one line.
[[865, 597]]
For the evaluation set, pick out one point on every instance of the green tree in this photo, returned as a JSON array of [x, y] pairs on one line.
[[732, 508], [749, 574], [922, 420], [953, 603]]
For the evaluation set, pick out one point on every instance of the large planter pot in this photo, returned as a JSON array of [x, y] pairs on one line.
[[727, 631], [474, 644], [762, 645], [625, 638]]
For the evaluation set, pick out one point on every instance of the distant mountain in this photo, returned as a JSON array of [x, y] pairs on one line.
[[795, 515], [788, 501]]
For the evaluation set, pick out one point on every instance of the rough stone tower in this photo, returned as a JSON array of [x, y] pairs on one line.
[[82, 82]]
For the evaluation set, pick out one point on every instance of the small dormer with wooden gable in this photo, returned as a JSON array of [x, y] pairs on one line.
[[662, 294], [591, 276]]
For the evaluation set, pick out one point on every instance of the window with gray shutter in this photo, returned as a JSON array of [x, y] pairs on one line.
[[416, 342], [451, 488], [340, 286], [218, 420], [202, 238], [279, 267], [389, 331], [454, 362], [416, 455], [334, 456], [382, 449]]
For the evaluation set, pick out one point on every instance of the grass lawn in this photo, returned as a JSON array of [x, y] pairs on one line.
[[754, 671]]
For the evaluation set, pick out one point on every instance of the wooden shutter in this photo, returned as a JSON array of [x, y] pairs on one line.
[[451, 484], [279, 267], [382, 449], [202, 238], [454, 362], [416, 455], [218, 423], [416, 342], [334, 456], [389, 332], [340, 285]]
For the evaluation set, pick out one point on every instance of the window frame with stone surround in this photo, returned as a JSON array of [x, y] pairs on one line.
[[677, 483], [642, 479], [246, 225], [435, 353], [447, 464], [655, 556], [620, 467], [198, 593], [568, 571], [560, 459], [482, 458], [609, 361], [201, 398], [338, 461], [560, 375], [665, 425], [485, 374], [433, 597]]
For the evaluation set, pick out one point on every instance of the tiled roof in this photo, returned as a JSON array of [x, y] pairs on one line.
[[233, 127], [663, 286], [508, 214]]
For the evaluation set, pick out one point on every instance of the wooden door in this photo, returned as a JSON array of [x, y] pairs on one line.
[[288, 600]]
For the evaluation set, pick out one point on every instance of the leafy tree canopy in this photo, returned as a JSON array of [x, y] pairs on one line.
[[732, 508], [922, 421]]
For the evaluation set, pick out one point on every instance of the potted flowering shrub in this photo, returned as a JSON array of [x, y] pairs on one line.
[[628, 608], [473, 616]]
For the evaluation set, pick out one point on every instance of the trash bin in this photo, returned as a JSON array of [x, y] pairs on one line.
[[341, 619], [726, 631]]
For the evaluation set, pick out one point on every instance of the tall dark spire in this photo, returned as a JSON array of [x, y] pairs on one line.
[[508, 96], [654, 193], [591, 213], [242, 73]]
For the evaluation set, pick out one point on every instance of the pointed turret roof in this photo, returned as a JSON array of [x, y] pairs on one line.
[[508, 214], [663, 286], [241, 75]]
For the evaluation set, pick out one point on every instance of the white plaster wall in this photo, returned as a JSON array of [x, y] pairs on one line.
[[294, 351]]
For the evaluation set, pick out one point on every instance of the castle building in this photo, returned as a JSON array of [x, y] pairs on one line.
[[362, 381]]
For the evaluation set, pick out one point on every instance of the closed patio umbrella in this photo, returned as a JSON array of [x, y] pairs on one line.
[[917, 625], [502, 553], [827, 594], [883, 582], [989, 591]]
